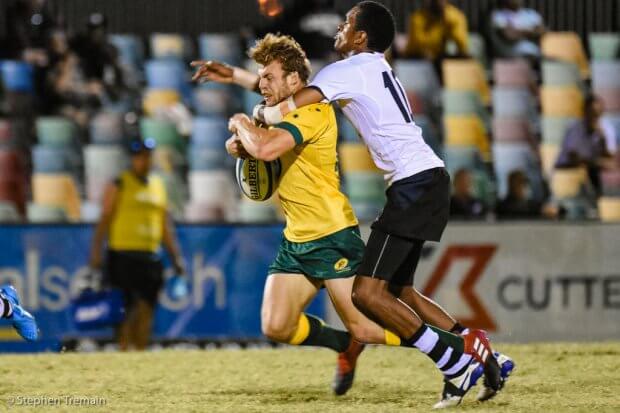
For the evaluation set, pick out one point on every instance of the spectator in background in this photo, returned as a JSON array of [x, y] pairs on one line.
[[517, 203], [463, 205], [68, 91], [29, 23], [432, 27], [99, 58], [135, 222], [585, 143], [516, 31], [312, 23]]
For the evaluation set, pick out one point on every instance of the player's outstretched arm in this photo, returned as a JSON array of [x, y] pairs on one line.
[[261, 143], [220, 72], [272, 115]]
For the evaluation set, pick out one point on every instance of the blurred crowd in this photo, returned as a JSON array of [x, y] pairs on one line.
[[77, 73]]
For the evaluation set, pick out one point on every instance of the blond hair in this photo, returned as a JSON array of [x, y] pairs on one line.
[[285, 50]]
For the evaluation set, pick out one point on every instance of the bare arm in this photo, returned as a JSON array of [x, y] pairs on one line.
[[261, 143], [110, 201], [222, 73], [272, 115], [170, 244]]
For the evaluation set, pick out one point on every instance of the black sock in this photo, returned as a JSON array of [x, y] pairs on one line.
[[312, 331], [458, 328]]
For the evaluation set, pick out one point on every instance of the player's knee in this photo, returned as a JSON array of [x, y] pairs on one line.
[[361, 296], [277, 329]]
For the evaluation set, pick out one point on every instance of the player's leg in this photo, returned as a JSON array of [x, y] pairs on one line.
[[144, 312], [376, 294], [361, 328], [474, 342], [10, 308], [283, 319]]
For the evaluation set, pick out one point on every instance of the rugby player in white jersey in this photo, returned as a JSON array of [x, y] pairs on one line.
[[418, 197]]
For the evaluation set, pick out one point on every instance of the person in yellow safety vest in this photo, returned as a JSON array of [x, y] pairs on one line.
[[135, 222]]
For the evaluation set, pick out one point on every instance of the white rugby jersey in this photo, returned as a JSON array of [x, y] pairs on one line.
[[373, 99]]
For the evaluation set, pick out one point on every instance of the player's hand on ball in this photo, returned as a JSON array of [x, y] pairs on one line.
[[235, 148], [212, 71], [237, 120]]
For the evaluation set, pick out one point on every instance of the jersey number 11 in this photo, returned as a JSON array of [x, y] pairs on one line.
[[398, 98]]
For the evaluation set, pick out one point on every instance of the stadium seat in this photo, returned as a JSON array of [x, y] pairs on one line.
[[609, 209], [417, 102], [46, 159], [568, 183], [168, 45], [548, 157], [511, 130], [430, 133], [566, 46], [8, 212], [13, 189], [509, 157], [466, 75], [561, 101], [554, 128], [55, 131], [346, 131], [365, 187], [214, 99], [57, 190], [206, 159], [168, 159], [157, 99], [366, 211], [463, 102], [610, 182], [610, 98], [90, 211], [164, 132], [513, 103], [462, 157], [604, 46], [213, 188], [130, 49], [166, 74], [45, 213], [107, 128], [418, 76], [102, 164], [477, 48], [606, 74], [560, 73], [512, 73], [210, 132], [6, 132], [251, 211], [225, 47], [466, 131], [11, 164], [17, 76], [354, 157]]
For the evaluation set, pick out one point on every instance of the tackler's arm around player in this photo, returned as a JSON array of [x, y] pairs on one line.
[[260, 143]]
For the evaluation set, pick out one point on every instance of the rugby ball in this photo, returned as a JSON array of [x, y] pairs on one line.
[[257, 179]]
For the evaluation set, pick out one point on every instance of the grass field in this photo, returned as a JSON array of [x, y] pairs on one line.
[[549, 378]]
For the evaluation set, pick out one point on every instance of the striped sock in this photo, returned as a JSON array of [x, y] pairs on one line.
[[312, 331], [448, 359]]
